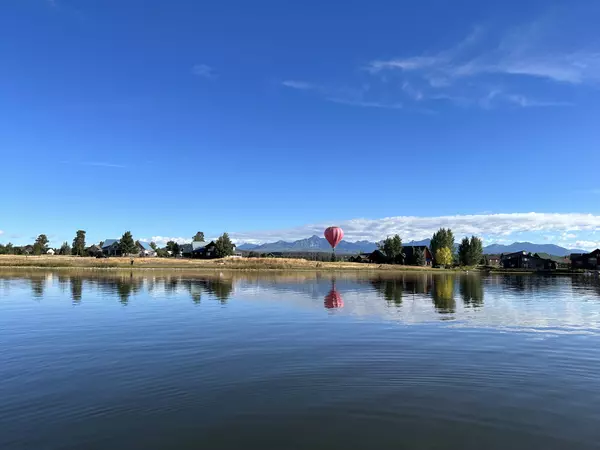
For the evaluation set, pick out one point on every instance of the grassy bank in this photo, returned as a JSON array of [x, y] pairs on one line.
[[255, 264]]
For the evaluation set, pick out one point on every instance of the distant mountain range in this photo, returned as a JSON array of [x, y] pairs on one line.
[[319, 244]]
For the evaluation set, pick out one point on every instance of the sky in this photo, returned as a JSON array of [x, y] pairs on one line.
[[272, 120]]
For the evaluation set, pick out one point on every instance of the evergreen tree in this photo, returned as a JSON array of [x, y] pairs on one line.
[[419, 257], [153, 246], [41, 245], [199, 237], [475, 251], [127, 244], [391, 247], [79, 243], [442, 238], [224, 246], [65, 249], [173, 247], [464, 250]]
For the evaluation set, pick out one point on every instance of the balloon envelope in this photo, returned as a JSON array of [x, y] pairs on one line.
[[334, 235]]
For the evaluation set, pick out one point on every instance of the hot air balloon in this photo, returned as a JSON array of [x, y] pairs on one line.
[[333, 300], [334, 235]]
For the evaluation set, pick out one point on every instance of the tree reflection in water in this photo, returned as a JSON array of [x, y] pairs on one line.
[[443, 294], [390, 289], [76, 289], [471, 290]]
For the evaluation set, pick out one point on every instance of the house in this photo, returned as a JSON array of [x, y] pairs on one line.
[[526, 260], [111, 247], [409, 254], [361, 258], [492, 260], [562, 262], [94, 250], [50, 251], [590, 261], [145, 249], [205, 250], [27, 250], [377, 257]]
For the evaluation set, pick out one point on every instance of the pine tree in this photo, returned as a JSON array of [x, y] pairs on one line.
[[464, 251], [41, 245], [127, 244], [65, 249], [224, 246], [79, 243], [391, 247], [198, 237], [475, 254], [419, 255]]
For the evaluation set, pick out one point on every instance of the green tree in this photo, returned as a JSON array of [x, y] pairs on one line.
[[464, 249], [224, 246], [154, 246], [475, 251], [419, 255], [391, 247], [470, 251], [127, 244], [41, 245], [79, 243], [199, 237], [65, 249], [173, 247], [442, 238], [443, 257]]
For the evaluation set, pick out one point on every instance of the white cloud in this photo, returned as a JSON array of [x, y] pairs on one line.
[[412, 227], [302, 85], [205, 71], [364, 104], [161, 241], [586, 245]]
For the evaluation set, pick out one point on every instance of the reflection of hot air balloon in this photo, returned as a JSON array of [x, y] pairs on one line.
[[333, 300], [334, 235]]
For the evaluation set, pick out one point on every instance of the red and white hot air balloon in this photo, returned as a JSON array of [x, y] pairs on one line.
[[334, 235]]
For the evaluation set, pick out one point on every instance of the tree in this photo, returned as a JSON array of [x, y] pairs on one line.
[[391, 247], [127, 244], [224, 246], [101, 244], [475, 251], [442, 238], [199, 237], [79, 243], [470, 252], [65, 249], [173, 247], [443, 256], [463, 251], [419, 255], [41, 245], [154, 246]]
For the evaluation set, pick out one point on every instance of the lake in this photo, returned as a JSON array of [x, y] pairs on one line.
[[154, 360]]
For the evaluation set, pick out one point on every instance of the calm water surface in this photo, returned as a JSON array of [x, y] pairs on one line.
[[298, 361]]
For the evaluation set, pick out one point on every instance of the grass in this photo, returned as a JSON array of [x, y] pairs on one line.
[[255, 264]]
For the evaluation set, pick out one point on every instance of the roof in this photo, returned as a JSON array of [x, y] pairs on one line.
[[145, 245], [186, 248], [521, 253], [109, 242], [198, 245], [558, 259], [409, 249]]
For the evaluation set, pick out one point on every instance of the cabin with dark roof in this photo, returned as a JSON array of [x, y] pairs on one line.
[[589, 261], [562, 262], [527, 260], [409, 255], [111, 247]]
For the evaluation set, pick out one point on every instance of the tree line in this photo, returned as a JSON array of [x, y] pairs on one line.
[[126, 246], [443, 249]]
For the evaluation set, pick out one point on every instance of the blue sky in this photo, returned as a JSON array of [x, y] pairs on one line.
[[271, 119]]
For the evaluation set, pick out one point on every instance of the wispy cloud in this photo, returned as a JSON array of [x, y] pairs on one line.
[[302, 85], [413, 227], [204, 71], [488, 69]]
